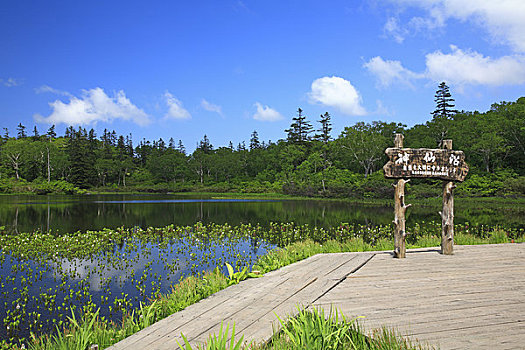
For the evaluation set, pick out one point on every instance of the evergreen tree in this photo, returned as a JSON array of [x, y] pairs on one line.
[[443, 113], [51, 134], [444, 102], [6, 133], [299, 129], [21, 131], [82, 158], [181, 147], [254, 141], [171, 144], [35, 133], [205, 145], [129, 145], [326, 127], [161, 145]]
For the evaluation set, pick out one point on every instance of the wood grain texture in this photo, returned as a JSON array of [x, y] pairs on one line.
[[474, 299]]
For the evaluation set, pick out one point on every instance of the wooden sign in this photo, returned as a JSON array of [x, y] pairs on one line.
[[442, 164]]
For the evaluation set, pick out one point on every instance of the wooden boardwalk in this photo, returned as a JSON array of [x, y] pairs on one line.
[[474, 299]]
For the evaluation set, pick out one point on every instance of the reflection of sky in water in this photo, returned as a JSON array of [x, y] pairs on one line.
[[136, 269], [105, 271]]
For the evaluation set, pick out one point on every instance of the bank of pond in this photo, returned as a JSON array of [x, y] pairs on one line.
[[49, 280]]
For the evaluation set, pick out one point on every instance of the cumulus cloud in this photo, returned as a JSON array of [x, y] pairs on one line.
[[389, 72], [469, 67], [175, 108], [338, 93], [457, 67], [504, 20], [210, 107], [266, 114], [94, 106]]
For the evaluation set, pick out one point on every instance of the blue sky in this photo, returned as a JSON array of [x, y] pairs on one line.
[[182, 69]]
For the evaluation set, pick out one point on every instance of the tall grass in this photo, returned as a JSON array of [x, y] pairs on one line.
[[313, 330]]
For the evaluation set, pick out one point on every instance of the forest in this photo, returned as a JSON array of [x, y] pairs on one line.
[[309, 162]]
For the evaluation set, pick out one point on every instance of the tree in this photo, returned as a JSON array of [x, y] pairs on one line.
[[326, 127], [365, 144], [299, 129], [21, 131], [82, 159], [13, 151], [254, 141], [51, 134], [443, 113], [36, 135], [205, 145], [181, 147]]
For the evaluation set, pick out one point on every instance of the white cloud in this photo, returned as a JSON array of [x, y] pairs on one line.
[[504, 19], [92, 107], [338, 93], [393, 29], [458, 67], [46, 88], [266, 114], [210, 107], [10, 82], [175, 108], [469, 67], [389, 72]]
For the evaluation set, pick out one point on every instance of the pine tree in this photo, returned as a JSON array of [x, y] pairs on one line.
[[326, 127], [205, 145], [254, 141], [51, 134], [181, 147], [21, 131], [443, 113], [299, 129], [80, 151], [444, 102]]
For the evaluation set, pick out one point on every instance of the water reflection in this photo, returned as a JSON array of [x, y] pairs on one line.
[[72, 213]]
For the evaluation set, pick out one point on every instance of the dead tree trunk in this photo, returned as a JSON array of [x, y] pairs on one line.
[[400, 209], [447, 215]]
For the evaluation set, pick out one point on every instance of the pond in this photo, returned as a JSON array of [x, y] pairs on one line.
[[95, 212], [113, 252]]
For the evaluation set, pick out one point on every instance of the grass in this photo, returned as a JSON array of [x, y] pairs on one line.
[[90, 328], [312, 329]]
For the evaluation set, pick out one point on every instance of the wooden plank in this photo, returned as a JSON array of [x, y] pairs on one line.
[[483, 298]]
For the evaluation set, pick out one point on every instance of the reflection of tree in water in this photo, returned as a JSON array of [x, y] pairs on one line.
[[63, 214]]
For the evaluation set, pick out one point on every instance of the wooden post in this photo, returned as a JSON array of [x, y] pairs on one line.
[[447, 215], [399, 210]]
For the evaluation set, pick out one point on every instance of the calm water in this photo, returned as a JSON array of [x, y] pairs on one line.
[[36, 292], [93, 212]]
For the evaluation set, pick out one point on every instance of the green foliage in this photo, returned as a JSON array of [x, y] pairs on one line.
[[312, 329], [217, 342], [493, 142], [241, 275]]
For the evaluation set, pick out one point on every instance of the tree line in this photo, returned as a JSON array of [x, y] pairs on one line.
[[309, 161]]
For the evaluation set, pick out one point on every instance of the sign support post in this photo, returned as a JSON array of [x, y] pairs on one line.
[[406, 163], [399, 210], [447, 215]]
